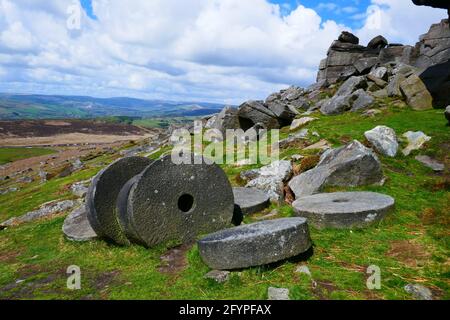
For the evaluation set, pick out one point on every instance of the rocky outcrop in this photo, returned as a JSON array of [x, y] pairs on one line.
[[252, 112], [226, 119]]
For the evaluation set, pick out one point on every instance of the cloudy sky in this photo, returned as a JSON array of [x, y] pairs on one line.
[[223, 51]]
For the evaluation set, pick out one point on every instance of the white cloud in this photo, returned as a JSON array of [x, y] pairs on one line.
[[215, 50]]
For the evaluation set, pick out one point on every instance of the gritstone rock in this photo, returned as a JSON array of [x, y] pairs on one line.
[[344, 209], [384, 140], [255, 244], [77, 227], [250, 200]]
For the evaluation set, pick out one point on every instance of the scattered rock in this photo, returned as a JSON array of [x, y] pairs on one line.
[[384, 140], [372, 112], [9, 190], [352, 165], [416, 140], [294, 138], [25, 180], [416, 93], [378, 43], [77, 227], [303, 270], [431, 163], [250, 200], [271, 179], [253, 112], [278, 294], [419, 292], [344, 210], [80, 189], [380, 73], [321, 145], [218, 276], [447, 114], [45, 210], [255, 244], [44, 176], [297, 157], [297, 123], [361, 100]]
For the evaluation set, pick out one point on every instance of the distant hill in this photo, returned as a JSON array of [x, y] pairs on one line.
[[17, 106]]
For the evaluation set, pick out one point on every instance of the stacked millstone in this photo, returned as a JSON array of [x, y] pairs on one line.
[[135, 200]]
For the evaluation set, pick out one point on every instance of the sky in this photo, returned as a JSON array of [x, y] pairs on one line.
[[225, 51]]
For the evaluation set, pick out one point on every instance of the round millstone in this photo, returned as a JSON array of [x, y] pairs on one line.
[[77, 227], [102, 195], [344, 210], [255, 244], [250, 200], [171, 202]]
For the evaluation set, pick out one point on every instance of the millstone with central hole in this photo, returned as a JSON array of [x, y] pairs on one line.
[[102, 194], [344, 209], [255, 244], [169, 202]]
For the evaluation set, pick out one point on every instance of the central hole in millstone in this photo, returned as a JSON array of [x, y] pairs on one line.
[[185, 202], [341, 200]]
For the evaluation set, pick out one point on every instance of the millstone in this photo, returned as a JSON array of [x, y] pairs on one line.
[[255, 244], [250, 200], [102, 195], [77, 227], [170, 202], [344, 209]]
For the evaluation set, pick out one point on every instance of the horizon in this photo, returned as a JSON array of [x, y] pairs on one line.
[[223, 52]]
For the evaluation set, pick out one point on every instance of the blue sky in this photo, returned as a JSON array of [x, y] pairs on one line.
[[225, 51]]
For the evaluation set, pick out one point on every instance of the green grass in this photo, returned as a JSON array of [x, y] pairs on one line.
[[13, 154], [410, 246]]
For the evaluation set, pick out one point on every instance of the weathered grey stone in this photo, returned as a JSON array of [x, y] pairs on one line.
[[416, 93], [304, 270], [80, 189], [77, 227], [226, 119], [381, 94], [416, 140], [297, 123], [365, 64], [431, 163], [380, 73], [379, 82], [253, 112], [255, 244], [337, 105], [352, 165], [399, 54], [437, 82], [351, 85], [434, 46], [271, 178], [384, 140], [280, 294], [361, 100], [344, 209], [294, 138], [282, 110], [170, 202], [378, 43], [46, 210], [102, 195], [250, 200], [219, 276], [348, 37], [419, 292]]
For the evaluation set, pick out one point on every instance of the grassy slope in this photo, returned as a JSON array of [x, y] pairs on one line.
[[14, 154], [411, 245]]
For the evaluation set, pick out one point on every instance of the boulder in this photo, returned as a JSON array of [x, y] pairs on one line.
[[351, 166], [384, 140], [398, 54], [76, 226], [344, 210], [253, 112], [437, 82], [282, 111], [351, 85], [361, 100], [431, 163], [294, 138], [378, 43], [255, 244], [416, 93], [365, 64], [250, 200], [271, 179], [380, 73], [347, 37], [226, 119], [415, 140], [434, 46], [297, 123]]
